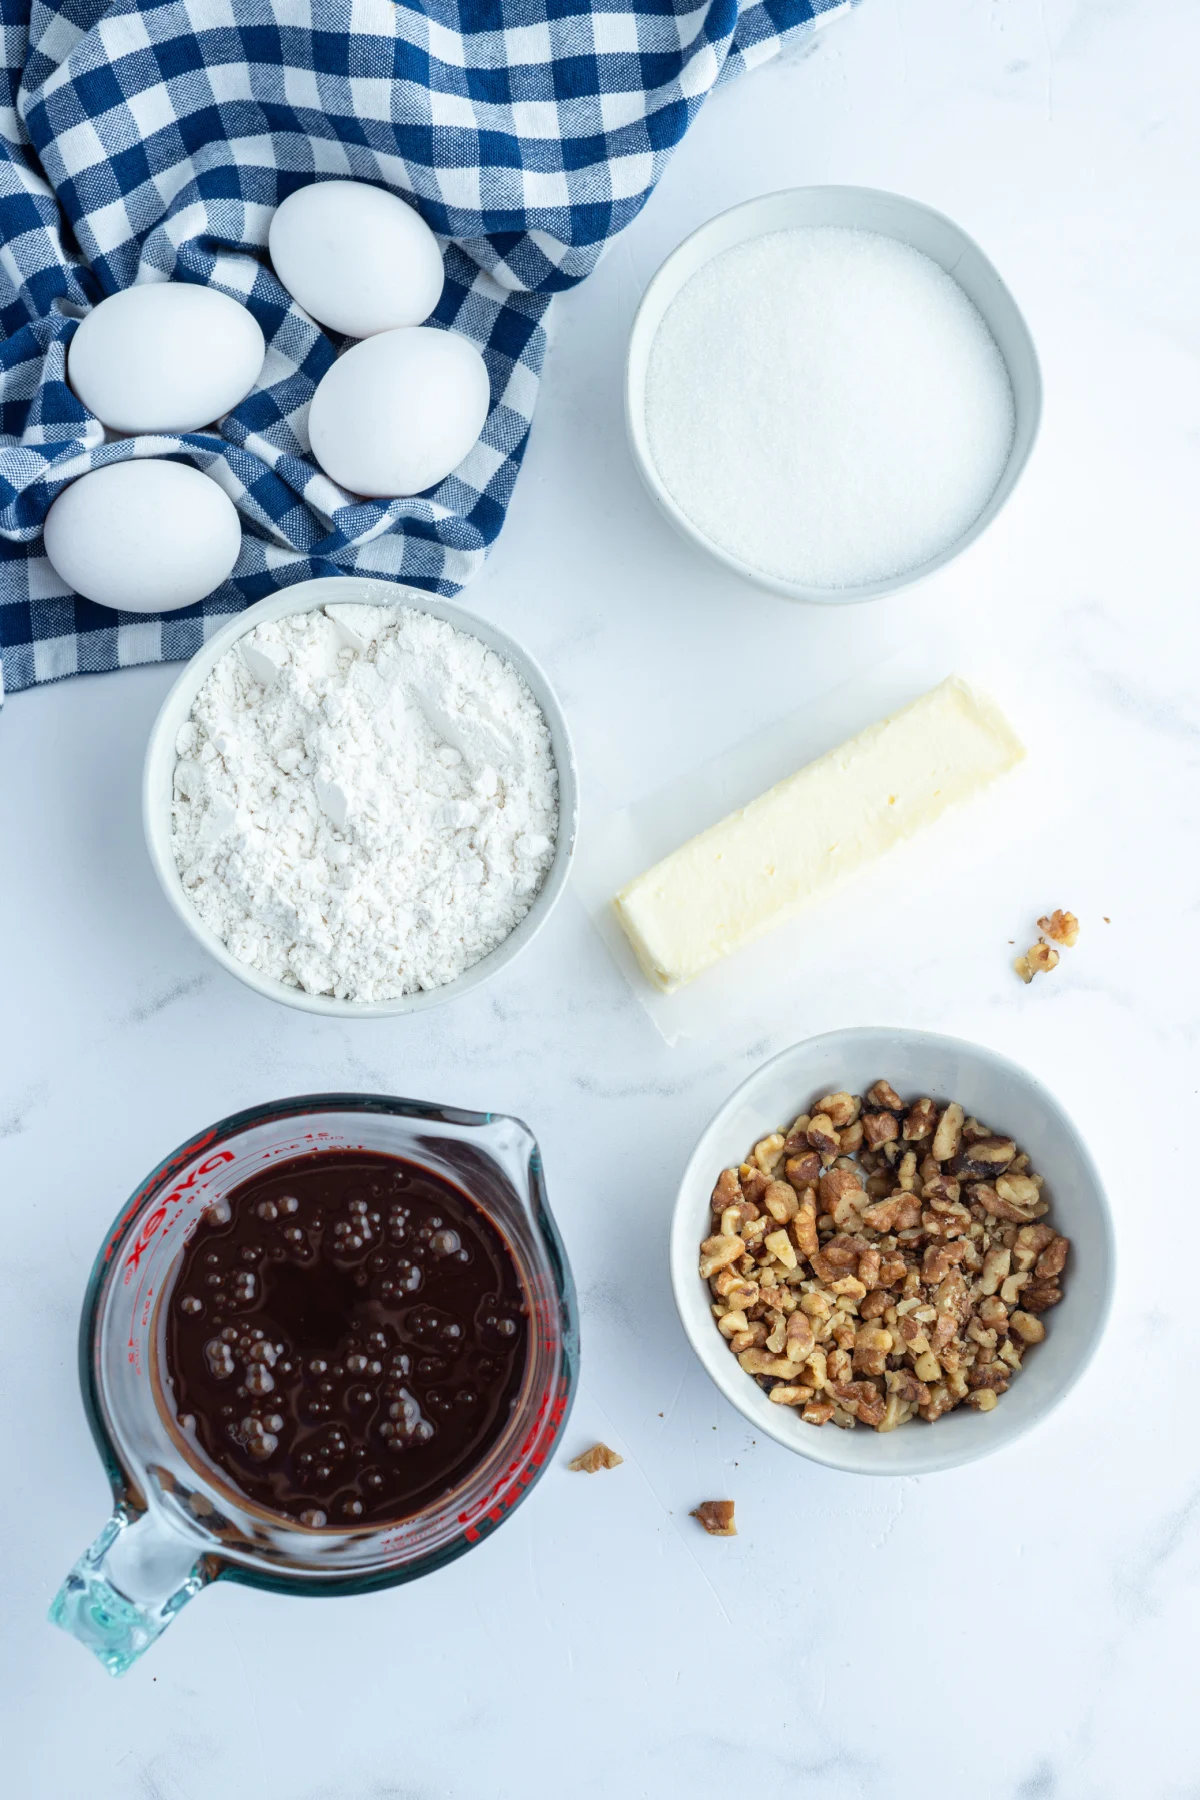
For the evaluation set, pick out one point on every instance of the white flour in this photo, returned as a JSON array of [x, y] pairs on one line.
[[365, 801]]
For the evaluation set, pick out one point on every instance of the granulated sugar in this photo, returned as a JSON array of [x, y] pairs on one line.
[[828, 405]]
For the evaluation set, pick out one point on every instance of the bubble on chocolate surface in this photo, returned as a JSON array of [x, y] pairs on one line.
[[219, 1358], [260, 1443], [190, 1304], [217, 1212], [405, 1425], [313, 1517]]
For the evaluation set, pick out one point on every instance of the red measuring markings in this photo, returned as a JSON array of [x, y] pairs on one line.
[[178, 1161], [524, 1469], [153, 1220]]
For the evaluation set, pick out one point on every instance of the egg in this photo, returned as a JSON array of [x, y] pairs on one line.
[[144, 536], [165, 356], [356, 257], [397, 412]]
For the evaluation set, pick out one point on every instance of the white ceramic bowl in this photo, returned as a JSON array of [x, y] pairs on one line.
[[864, 209], [1004, 1097], [158, 776]]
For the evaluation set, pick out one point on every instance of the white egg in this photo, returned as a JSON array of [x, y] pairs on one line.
[[165, 356], [144, 536], [397, 412], [356, 257]]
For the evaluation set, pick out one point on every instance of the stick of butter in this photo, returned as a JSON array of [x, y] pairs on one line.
[[767, 861]]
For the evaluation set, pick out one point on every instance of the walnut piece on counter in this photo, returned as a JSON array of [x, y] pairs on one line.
[[716, 1516], [895, 1282], [598, 1457], [1039, 959], [1063, 927]]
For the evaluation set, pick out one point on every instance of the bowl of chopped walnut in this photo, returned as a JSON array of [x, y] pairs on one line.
[[892, 1251]]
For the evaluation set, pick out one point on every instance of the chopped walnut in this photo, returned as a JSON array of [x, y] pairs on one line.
[[598, 1457], [880, 1262], [884, 1095], [948, 1136], [920, 1121], [1063, 927], [716, 1516], [879, 1128], [1039, 959], [840, 1109], [823, 1136]]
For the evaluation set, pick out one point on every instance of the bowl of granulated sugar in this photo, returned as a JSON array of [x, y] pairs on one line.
[[831, 391]]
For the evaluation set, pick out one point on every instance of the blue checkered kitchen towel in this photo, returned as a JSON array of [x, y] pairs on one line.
[[151, 139]]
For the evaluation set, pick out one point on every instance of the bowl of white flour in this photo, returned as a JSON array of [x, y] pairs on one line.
[[831, 391], [361, 799]]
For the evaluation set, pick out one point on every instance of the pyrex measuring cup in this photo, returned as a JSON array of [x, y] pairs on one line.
[[178, 1524]]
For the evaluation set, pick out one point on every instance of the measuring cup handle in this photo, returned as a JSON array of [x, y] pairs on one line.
[[125, 1590]]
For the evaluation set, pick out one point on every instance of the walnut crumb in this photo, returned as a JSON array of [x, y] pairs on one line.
[[716, 1516], [598, 1457], [1039, 959], [1063, 927]]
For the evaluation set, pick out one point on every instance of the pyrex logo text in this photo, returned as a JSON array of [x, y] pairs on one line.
[[153, 1220]]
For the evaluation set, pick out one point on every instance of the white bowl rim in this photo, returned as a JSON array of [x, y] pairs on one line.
[[710, 1347], [635, 426], [308, 596]]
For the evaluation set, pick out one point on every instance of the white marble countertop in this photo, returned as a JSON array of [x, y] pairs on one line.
[[1019, 1630]]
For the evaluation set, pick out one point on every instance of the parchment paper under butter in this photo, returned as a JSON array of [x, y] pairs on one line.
[[616, 848]]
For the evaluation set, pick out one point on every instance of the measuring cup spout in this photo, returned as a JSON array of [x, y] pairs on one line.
[[125, 1590]]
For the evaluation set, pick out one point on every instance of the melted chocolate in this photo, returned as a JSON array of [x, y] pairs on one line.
[[346, 1338]]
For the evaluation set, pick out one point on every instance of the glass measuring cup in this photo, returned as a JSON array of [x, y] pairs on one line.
[[178, 1524]]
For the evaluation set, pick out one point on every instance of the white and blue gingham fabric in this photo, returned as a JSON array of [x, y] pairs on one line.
[[147, 140]]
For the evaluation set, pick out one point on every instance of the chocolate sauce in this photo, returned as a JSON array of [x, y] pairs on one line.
[[345, 1338]]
